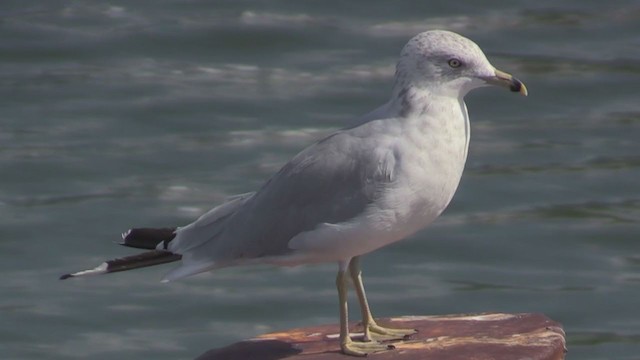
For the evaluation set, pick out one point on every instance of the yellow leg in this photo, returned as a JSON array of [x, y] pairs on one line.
[[372, 331], [347, 345]]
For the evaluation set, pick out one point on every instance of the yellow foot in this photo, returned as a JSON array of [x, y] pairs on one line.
[[377, 332], [357, 348]]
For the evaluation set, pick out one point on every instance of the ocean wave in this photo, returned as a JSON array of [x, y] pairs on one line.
[[586, 165], [241, 81], [268, 137], [253, 18], [177, 80], [591, 213], [96, 343]]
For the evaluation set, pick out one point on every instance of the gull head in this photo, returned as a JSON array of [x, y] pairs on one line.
[[445, 63]]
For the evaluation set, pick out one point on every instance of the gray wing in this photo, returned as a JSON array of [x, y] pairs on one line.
[[207, 226], [332, 181]]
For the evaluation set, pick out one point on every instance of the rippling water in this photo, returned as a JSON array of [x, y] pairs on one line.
[[148, 113]]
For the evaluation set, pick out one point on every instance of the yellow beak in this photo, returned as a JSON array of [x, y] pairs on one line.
[[503, 79]]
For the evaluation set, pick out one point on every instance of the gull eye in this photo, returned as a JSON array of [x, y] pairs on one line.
[[455, 63]]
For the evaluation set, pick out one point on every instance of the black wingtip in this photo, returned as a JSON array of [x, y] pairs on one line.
[[65, 276], [147, 238]]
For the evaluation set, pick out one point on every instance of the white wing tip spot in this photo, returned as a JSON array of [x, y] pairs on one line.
[[101, 269]]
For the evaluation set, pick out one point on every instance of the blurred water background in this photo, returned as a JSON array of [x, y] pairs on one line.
[[148, 113]]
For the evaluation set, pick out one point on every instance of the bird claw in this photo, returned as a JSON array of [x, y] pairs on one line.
[[379, 333], [358, 348]]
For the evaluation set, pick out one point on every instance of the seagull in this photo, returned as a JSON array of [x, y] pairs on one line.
[[387, 175]]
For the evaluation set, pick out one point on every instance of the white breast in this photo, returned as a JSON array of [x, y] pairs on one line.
[[429, 160]]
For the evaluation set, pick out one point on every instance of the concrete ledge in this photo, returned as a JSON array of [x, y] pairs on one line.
[[490, 336]]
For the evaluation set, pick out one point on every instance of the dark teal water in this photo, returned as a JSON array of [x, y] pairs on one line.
[[147, 113]]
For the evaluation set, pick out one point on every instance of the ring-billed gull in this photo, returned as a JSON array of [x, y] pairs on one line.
[[388, 175]]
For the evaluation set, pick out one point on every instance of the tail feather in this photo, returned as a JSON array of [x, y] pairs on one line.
[[148, 238], [149, 258]]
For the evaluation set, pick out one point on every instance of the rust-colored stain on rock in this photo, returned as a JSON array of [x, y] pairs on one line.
[[493, 336]]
